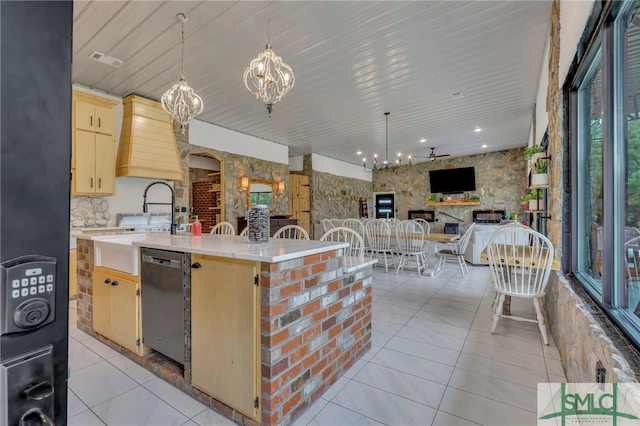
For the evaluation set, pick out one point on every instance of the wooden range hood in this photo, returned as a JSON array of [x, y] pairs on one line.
[[147, 142]]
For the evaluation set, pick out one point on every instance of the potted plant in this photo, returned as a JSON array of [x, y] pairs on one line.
[[536, 200], [433, 198], [475, 199], [531, 150], [539, 177], [526, 198]]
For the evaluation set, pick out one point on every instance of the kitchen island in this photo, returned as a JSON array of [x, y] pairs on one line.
[[268, 327]]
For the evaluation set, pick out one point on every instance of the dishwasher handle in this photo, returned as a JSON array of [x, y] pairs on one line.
[[168, 263]]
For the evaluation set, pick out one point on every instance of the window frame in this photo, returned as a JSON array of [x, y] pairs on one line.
[[607, 44]]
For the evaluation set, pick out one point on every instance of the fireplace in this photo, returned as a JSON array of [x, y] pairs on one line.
[[428, 215], [488, 216]]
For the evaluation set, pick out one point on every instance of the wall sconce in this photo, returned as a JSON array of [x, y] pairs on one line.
[[244, 183], [280, 189]]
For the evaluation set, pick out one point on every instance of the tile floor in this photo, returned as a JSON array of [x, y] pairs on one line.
[[433, 362]]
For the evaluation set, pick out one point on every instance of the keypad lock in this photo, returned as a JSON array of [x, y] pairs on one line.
[[27, 292]]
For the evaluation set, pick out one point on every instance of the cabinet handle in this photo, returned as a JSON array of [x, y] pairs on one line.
[[114, 283], [196, 266], [91, 120], [91, 182], [107, 281], [99, 182], [99, 122]]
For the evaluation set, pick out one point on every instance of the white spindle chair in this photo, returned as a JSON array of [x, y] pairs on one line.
[[410, 243], [346, 235], [456, 252], [520, 260], [379, 237], [223, 228], [292, 232]]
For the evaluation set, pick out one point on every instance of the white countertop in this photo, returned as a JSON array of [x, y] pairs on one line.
[[236, 247]]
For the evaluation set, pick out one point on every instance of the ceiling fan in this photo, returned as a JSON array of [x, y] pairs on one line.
[[432, 156]]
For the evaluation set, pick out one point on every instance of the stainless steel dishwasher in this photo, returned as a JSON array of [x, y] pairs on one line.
[[162, 278]]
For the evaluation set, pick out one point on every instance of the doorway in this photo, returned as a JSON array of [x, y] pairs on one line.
[[384, 204]]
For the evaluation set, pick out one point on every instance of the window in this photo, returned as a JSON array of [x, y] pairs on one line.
[[605, 129], [589, 174], [630, 143]]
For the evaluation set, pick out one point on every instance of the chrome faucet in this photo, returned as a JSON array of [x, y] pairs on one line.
[[145, 205]]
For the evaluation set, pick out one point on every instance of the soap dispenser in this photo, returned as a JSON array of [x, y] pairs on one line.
[[196, 228]]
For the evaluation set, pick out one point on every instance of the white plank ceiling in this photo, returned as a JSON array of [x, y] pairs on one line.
[[353, 60]]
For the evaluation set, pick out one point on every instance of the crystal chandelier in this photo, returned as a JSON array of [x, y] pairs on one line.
[[268, 77], [385, 164], [180, 100]]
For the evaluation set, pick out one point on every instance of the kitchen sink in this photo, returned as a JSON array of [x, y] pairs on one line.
[[117, 252]]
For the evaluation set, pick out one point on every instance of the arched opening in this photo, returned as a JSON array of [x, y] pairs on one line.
[[206, 192]]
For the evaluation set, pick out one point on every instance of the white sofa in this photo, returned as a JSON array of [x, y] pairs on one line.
[[478, 242]]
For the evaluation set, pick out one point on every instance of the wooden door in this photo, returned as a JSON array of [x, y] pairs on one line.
[[85, 155], [126, 313], [102, 303], [105, 164], [85, 116], [225, 333]]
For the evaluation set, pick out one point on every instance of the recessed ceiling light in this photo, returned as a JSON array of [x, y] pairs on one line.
[[478, 130], [359, 153], [106, 59], [484, 146], [422, 140]]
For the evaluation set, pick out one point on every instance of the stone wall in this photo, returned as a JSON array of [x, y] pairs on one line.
[[500, 183], [336, 196], [89, 212], [234, 167], [586, 338]]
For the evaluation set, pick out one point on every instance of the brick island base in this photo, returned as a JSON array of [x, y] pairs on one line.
[[315, 323]]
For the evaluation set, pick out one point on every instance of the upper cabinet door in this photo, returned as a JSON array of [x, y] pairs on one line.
[[85, 116], [106, 120]]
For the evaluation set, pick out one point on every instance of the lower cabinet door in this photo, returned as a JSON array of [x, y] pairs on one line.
[[225, 333], [102, 303], [126, 314]]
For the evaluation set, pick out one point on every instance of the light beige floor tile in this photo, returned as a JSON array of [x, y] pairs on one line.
[[483, 410], [507, 356]]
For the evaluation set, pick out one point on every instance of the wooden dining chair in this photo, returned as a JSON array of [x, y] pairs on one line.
[[223, 228], [292, 232], [520, 260], [378, 239], [456, 252], [410, 245]]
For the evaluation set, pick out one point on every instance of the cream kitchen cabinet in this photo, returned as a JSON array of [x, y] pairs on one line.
[[93, 145], [225, 331], [116, 308]]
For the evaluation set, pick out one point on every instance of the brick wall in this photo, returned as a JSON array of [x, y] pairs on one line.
[[315, 323], [84, 284], [201, 200]]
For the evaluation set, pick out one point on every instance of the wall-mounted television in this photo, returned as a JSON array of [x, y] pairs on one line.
[[453, 181]]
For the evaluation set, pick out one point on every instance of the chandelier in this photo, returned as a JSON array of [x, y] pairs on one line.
[[180, 100], [385, 164], [268, 77]]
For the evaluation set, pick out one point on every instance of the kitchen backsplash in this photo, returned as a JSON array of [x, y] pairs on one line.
[[89, 212]]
